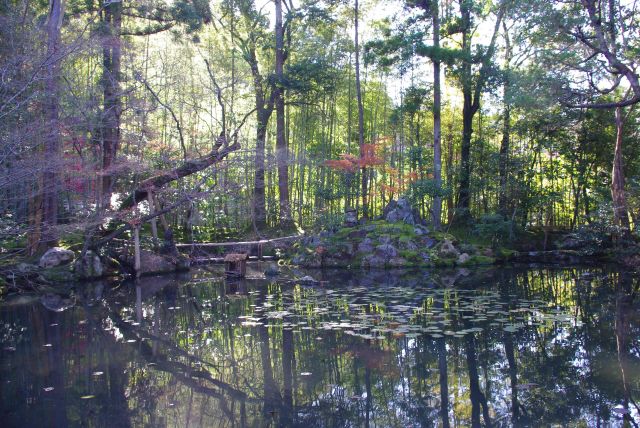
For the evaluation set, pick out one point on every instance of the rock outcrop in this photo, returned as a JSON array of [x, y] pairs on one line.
[[398, 239], [56, 256], [401, 211], [153, 263], [89, 266]]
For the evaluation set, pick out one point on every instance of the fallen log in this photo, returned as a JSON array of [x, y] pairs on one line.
[[220, 151]]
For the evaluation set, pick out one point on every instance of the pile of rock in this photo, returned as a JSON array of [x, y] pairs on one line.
[[401, 211], [398, 239]]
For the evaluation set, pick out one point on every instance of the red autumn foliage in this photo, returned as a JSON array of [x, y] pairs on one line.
[[351, 163]]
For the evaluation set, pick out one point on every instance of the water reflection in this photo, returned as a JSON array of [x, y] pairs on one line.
[[525, 347]]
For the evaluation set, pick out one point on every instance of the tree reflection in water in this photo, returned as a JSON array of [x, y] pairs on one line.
[[506, 347]]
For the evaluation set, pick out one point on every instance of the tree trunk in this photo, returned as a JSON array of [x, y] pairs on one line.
[[52, 143], [282, 149], [111, 53], [506, 132], [472, 87], [365, 211], [464, 192], [618, 195], [259, 204], [437, 120], [463, 203], [263, 114]]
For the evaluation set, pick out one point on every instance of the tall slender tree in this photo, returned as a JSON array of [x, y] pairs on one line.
[[472, 85], [363, 169], [282, 147], [437, 115], [53, 142], [112, 104]]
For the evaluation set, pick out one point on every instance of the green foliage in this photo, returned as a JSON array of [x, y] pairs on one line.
[[426, 187], [12, 234], [495, 228], [598, 236]]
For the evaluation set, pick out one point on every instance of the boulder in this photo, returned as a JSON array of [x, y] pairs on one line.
[[89, 266], [56, 256], [350, 217], [386, 251], [463, 258], [385, 239], [407, 245], [397, 262], [373, 261], [348, 249], [420, 230], [429, 242], [153, 263], [366, 246], [447, 250], [401, 211]]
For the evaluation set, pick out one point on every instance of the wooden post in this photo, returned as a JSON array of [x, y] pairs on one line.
[[136, 249]]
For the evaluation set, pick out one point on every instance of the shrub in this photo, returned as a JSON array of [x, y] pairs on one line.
[[494, 228]]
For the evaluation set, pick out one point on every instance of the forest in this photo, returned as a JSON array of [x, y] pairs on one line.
[[234, 118], [427, 212]]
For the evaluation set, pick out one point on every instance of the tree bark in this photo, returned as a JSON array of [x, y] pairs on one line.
[[264, 109], [506, 131], [282, 148], [463, 203], [111, 53], [259, 200], [618, 195], [365, 211], [437, 119], [471, 92], [52, 143]]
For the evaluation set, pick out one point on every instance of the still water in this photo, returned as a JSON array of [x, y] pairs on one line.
[[497, 347]]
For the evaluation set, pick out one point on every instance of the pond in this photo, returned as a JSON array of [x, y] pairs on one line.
[[495, 347]]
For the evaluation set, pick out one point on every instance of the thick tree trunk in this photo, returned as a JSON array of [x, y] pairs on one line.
[[472, 87], [52, 143], [365, 211], [463, 203], [618, 195], [437, 120], [282, 148], [263, 114], [111, 53], [464, 191]]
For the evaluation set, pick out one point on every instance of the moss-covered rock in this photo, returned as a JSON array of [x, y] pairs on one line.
[[380, 244], [58, 274], [478, 259]]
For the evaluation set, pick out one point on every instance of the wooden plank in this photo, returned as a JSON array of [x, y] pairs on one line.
[[220, 260], [232, 244]]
